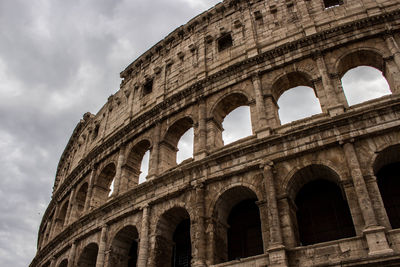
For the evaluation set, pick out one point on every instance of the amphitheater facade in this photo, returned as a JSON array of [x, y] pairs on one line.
[[320, 191]]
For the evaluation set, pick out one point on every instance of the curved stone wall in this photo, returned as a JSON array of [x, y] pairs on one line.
[[238, 53]]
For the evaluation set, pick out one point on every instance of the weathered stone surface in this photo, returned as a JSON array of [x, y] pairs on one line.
[[195, 82]]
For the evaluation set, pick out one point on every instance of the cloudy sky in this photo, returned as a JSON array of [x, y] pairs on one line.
[[58, 60]]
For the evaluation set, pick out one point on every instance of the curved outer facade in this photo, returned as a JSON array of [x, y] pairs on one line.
[[240, 52]]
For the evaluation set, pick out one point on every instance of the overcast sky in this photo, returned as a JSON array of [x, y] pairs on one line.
[[58, 60]]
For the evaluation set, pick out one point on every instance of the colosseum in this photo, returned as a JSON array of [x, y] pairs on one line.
[[319, 191]]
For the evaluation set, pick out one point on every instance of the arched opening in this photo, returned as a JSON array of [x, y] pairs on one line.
[[124, 248], [88, 256], [321, 208], [144, 167], [185, 146], [169, 144], [296, 98], [244, 230], [237, 226], [387, 170], [298, 103], [80, 199], [182, 247], [61, 218], [237, 125], [103, 185], [136, 169], [363, 76], [173, 241], [63, 263], [364, 83], [231, 120]]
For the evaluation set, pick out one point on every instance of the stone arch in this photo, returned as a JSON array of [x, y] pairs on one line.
[[363, 57], [169, 143], [367, 56], [386, 168], [134, 160], [318, 218], [62, 216], [172, 222], [80, 199], [101, 187], [221, 108], [295, 84], [233, 237], [63, 263], [88, 256], [124, 247]]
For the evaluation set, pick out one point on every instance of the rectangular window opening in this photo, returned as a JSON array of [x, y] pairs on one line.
[[148, 87], [332, 3], [225, 42]]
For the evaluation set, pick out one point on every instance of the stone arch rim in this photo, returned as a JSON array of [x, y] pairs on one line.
[[224, 96], [288, 179]]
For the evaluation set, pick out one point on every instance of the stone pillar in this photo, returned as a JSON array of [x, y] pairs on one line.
[[199, 242], [54, 223], [374, 234], [71, 255], [53, 262], [271, 108], [393, 48], [201, 150], [118, 172], [68, 216], [102, 247], [155, 152], [144, 238], [333, 106], [287, 219], [263, 208], [276, 249], [214, 134], [88, 200], [377, 202], [262, 129], [337, 87]]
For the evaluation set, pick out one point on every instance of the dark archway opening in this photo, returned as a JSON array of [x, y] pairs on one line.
[[124, 248], [89, 256], [389, 186], [182, 249], [244, 233], [322, 213]]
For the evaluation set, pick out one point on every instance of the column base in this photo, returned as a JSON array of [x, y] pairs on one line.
[[264, 132], [200, 155], [335, 110], [376, 240], [277, 256]]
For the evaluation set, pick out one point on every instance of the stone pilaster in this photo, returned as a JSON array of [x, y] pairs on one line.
[[262, 128], [271, 108], [102, 247], [118, 174], [199, 242], [69, 215], [276, 249], [53, 262], [374, 234], [88, 200], [71, 255], [144, 238], [201, 150], [155, 152], [333, 105]]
